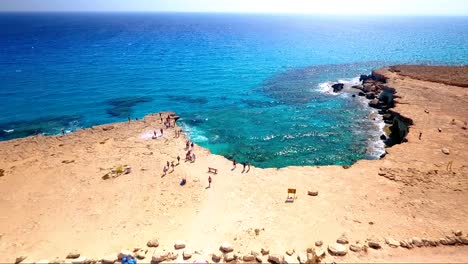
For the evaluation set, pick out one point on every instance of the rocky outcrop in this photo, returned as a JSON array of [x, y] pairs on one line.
[[337, 87], [381, 97]]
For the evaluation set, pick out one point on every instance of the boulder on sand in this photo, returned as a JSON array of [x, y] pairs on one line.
[[179, 244], [276, 259], [153, 243], [226, 247], [337, 249]]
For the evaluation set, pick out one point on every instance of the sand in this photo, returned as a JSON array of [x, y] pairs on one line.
[[54, 200]]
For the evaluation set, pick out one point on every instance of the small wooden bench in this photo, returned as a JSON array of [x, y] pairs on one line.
[[212, 170]]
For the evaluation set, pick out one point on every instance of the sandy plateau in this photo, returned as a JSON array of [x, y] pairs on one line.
[[54, 200]]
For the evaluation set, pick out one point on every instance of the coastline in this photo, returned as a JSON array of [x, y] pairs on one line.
[[61, 203]]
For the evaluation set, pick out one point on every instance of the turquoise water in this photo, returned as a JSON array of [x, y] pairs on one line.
[[249, 87]]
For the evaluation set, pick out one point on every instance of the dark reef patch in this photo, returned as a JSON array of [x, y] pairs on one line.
[[188, 99], [48, 124], [121, 107]]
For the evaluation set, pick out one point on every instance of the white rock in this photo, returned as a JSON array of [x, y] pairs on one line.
[[355, 248], [446, 151], [265, 251], [80, 260], [320, 252], [464, 240], [187, 254], [179, 244], [226, 247], [259, 259], [289, 252], [302, 257], [319, 243], [458, 233], [417, 241], [392, 242], [172, 256], [337, 249], [289, 259], [228, 257], [159, 256]]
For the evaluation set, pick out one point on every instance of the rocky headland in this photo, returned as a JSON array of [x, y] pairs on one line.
[[99, 194]]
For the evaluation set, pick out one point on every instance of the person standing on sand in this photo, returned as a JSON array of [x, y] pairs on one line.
[[129, 119], [209, 181], [234, 163], [248, 168], [191, 145], [164, 171], [168, 164], [63, 132], [178, 160], [172, 165], [161, 132], [243, 164]]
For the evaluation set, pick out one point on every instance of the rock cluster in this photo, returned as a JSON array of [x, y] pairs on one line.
[[226, 252], [381, 97]]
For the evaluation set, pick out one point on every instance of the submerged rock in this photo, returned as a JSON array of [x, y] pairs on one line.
[[337, 87]]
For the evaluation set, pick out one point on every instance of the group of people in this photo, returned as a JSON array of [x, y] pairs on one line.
[[170, 165], [190, 155], [177, 133], [244, 165], [168, 122]]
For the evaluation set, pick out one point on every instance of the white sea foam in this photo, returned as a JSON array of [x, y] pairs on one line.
[[8, 130], [194, 133], [326, 87], [375, 147]]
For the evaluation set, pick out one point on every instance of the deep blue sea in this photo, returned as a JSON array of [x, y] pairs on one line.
[[250, 87]]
